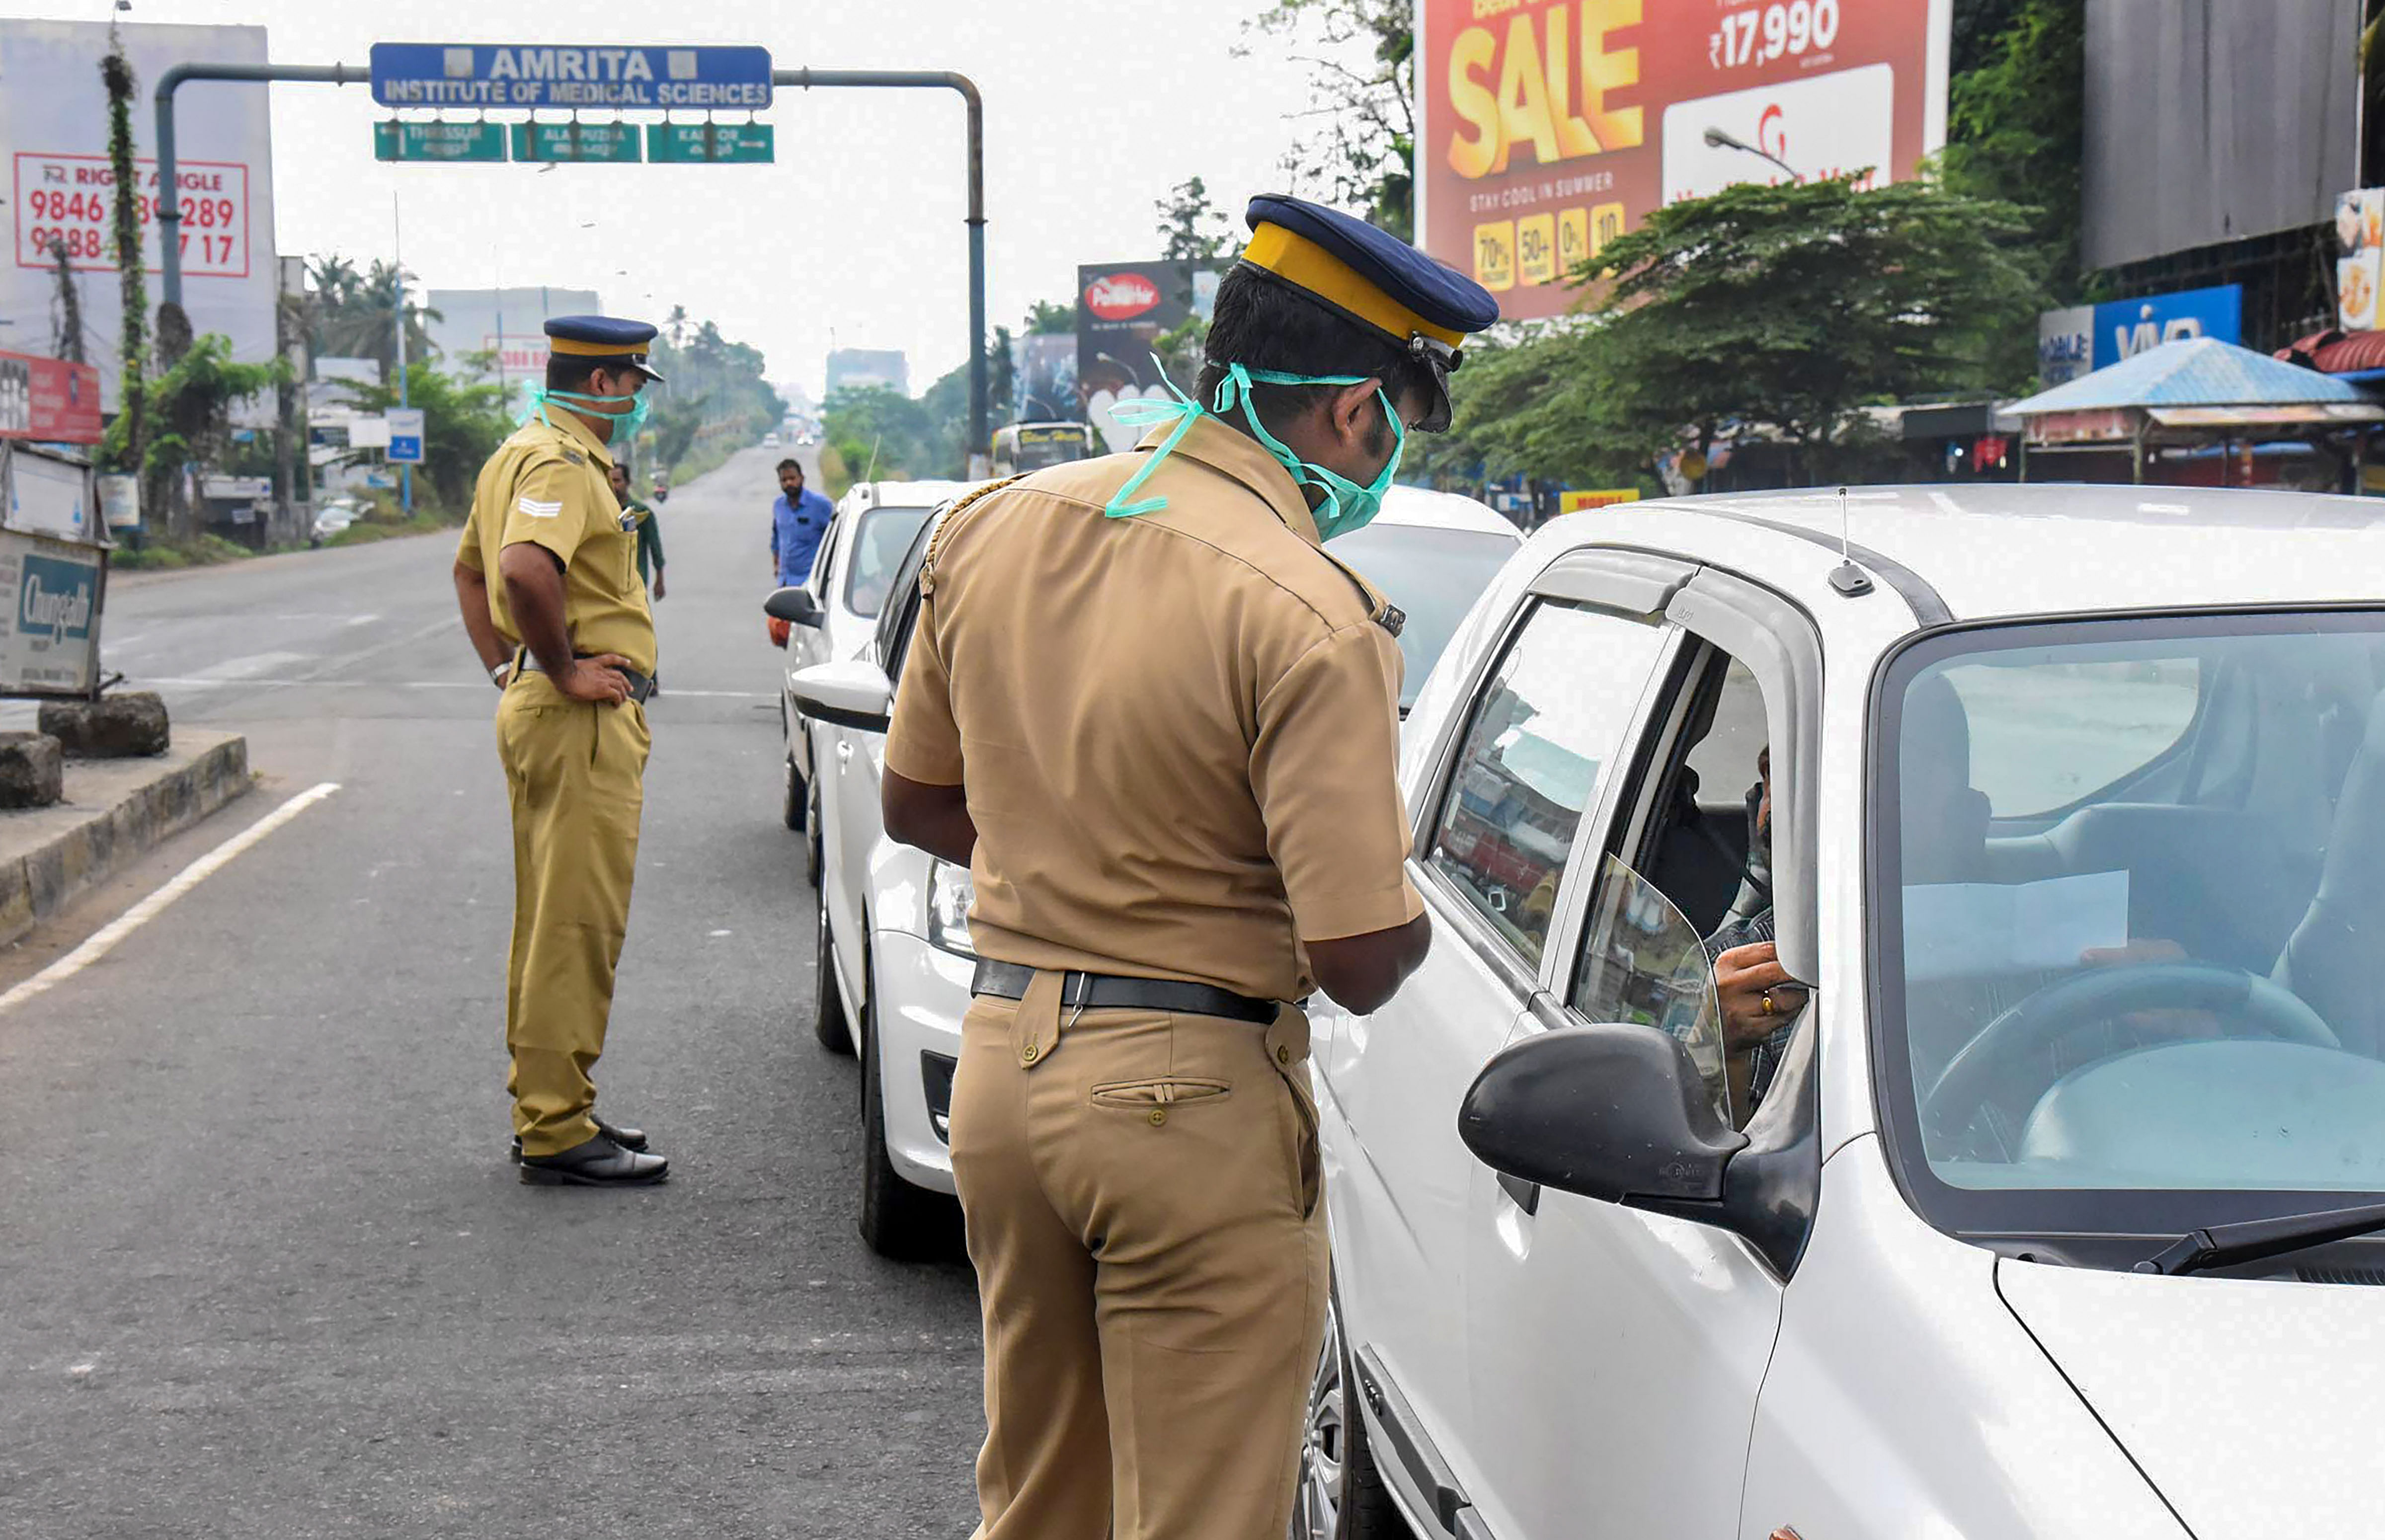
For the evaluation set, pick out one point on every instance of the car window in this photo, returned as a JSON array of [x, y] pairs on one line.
[[1545, 725], [2057, 728], [1433, 575], [902, 610], [879, 542]]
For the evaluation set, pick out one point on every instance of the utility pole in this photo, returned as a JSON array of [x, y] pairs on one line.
[[398, 287]]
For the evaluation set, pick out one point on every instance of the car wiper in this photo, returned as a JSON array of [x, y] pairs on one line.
[[2225, 1245]]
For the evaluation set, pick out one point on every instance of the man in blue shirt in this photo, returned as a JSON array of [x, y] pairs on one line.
[[797, 520]]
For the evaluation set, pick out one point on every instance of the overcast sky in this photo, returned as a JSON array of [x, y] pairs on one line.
[[1093, 110]]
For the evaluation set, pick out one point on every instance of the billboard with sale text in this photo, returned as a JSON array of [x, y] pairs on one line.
[[1550, 127]]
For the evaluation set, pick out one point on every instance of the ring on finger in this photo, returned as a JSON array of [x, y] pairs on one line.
[[1768, 1006]]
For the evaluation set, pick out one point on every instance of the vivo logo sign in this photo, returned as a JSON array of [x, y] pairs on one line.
[[2126, 328]]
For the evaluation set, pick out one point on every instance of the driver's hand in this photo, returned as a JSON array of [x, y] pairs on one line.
[[1743, 977], [597, 680]]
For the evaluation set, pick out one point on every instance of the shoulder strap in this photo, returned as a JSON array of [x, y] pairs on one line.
[[1382, 610], [945, 527]]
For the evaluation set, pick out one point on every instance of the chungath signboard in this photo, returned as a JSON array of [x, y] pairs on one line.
[[1550, 127]]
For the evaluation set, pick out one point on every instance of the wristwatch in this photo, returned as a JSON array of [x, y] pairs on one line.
[[498, 675]]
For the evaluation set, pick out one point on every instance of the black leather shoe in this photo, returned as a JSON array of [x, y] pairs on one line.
[[627, 1138], [597, 1162]]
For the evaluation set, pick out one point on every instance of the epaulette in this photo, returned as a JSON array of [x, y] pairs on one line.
[[1382, 610], [944, 528]]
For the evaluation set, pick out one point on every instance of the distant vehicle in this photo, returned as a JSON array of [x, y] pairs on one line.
[[1025, 446], [769, 441], [895, 955]]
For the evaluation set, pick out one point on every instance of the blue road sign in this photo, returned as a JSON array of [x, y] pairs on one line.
[[405, 435], [568, 75]]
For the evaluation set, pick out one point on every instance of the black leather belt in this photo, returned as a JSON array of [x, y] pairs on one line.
[[641, 685], [1112, 991]]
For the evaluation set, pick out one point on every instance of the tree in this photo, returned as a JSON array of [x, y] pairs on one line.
[[116, 74], [872, 424], [1191, 226], [463, 422], [66, 318], [1358, 149], [1778, 310], [190, 412], [354, 315], [1047, 319], [2015, 128]]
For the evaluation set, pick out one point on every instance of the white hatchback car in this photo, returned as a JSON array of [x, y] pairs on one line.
[[852, 573], [896, 961], [2053, 1209]]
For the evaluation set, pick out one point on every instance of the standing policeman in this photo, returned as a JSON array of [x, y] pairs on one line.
[[1160, 723], [552, 601]]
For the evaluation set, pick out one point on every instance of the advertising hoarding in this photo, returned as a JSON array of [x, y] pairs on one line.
[[1043, 369], [1122, 310], [2360, 271], [60, 187], [1550, 127], [2082, 337], [48, 399], [50, 642]]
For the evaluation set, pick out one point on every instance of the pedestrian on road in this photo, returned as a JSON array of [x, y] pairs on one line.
[[798, 519], [553, 605], [1161, 723], [650, 531]]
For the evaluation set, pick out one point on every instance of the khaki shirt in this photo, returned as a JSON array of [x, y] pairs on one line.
[[1177, 732], [546, 487]]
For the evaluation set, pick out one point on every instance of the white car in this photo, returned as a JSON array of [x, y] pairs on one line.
[[896, 963], [852, 573], [2055, 1209], [769, 441]]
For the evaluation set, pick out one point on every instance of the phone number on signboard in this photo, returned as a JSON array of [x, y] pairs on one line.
[[90, 244], [96, 208]]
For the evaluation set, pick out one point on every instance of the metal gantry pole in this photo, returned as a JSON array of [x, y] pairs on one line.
[[950, 81], [170, 202]]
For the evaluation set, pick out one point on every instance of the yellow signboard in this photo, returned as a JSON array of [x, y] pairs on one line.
[[1574, 503]]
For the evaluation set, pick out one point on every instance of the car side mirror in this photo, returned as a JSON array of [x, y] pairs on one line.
[[793, 605], [851, 693], [1614, 1111]]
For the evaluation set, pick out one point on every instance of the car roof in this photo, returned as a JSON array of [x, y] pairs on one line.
[[2004, 549], [1416, 505], [908, 495]]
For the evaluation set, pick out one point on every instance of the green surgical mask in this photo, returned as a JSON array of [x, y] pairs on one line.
[[626, 425], [1345, 505]]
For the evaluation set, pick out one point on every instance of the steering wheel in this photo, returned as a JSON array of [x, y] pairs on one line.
[[2084, 999]]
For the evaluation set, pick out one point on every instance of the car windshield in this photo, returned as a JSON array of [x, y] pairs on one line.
[[878, 545], [1433, 575], [2131, 877]]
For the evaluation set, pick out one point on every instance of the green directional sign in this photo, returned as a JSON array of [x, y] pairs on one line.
[[439, 141], [576, 141], [709, 143]]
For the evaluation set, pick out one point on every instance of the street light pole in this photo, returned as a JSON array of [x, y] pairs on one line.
[[1718, 139]]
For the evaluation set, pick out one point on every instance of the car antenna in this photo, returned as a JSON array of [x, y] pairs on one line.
[[872, 474], [1847, 577]]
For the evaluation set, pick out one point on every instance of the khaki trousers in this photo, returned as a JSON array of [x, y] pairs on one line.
[[575, 774], [1145, 1212]]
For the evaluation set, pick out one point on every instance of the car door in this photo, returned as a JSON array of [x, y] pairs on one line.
[[1527, 759], [1616, 1354]]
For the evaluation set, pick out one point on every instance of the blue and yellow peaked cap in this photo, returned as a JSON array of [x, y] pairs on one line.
[[602, 339]]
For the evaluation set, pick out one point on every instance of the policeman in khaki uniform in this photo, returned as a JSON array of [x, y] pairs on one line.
[[552, 600], [1160, 722]]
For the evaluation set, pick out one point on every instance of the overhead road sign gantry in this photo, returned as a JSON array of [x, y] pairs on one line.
[[576, 141], [439, 141], [536, 76]]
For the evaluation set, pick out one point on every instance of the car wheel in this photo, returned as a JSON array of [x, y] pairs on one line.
[[793, 797], [898, 1221], [815, 852], [828, 1023], [1341, 1495]]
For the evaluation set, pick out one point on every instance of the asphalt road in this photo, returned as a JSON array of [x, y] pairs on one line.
[[264, 1268]]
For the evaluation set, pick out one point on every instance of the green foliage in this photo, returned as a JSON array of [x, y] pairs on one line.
[[1781, 310], [1191, 227], [2015, 128], [173, 555], [715, 400], [463, 422], [131, 451], [1359, 137], [189, 414], [1046, 319], [354, 315], [908, 439]]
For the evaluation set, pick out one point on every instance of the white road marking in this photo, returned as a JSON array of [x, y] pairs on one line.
[[141, 913]]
